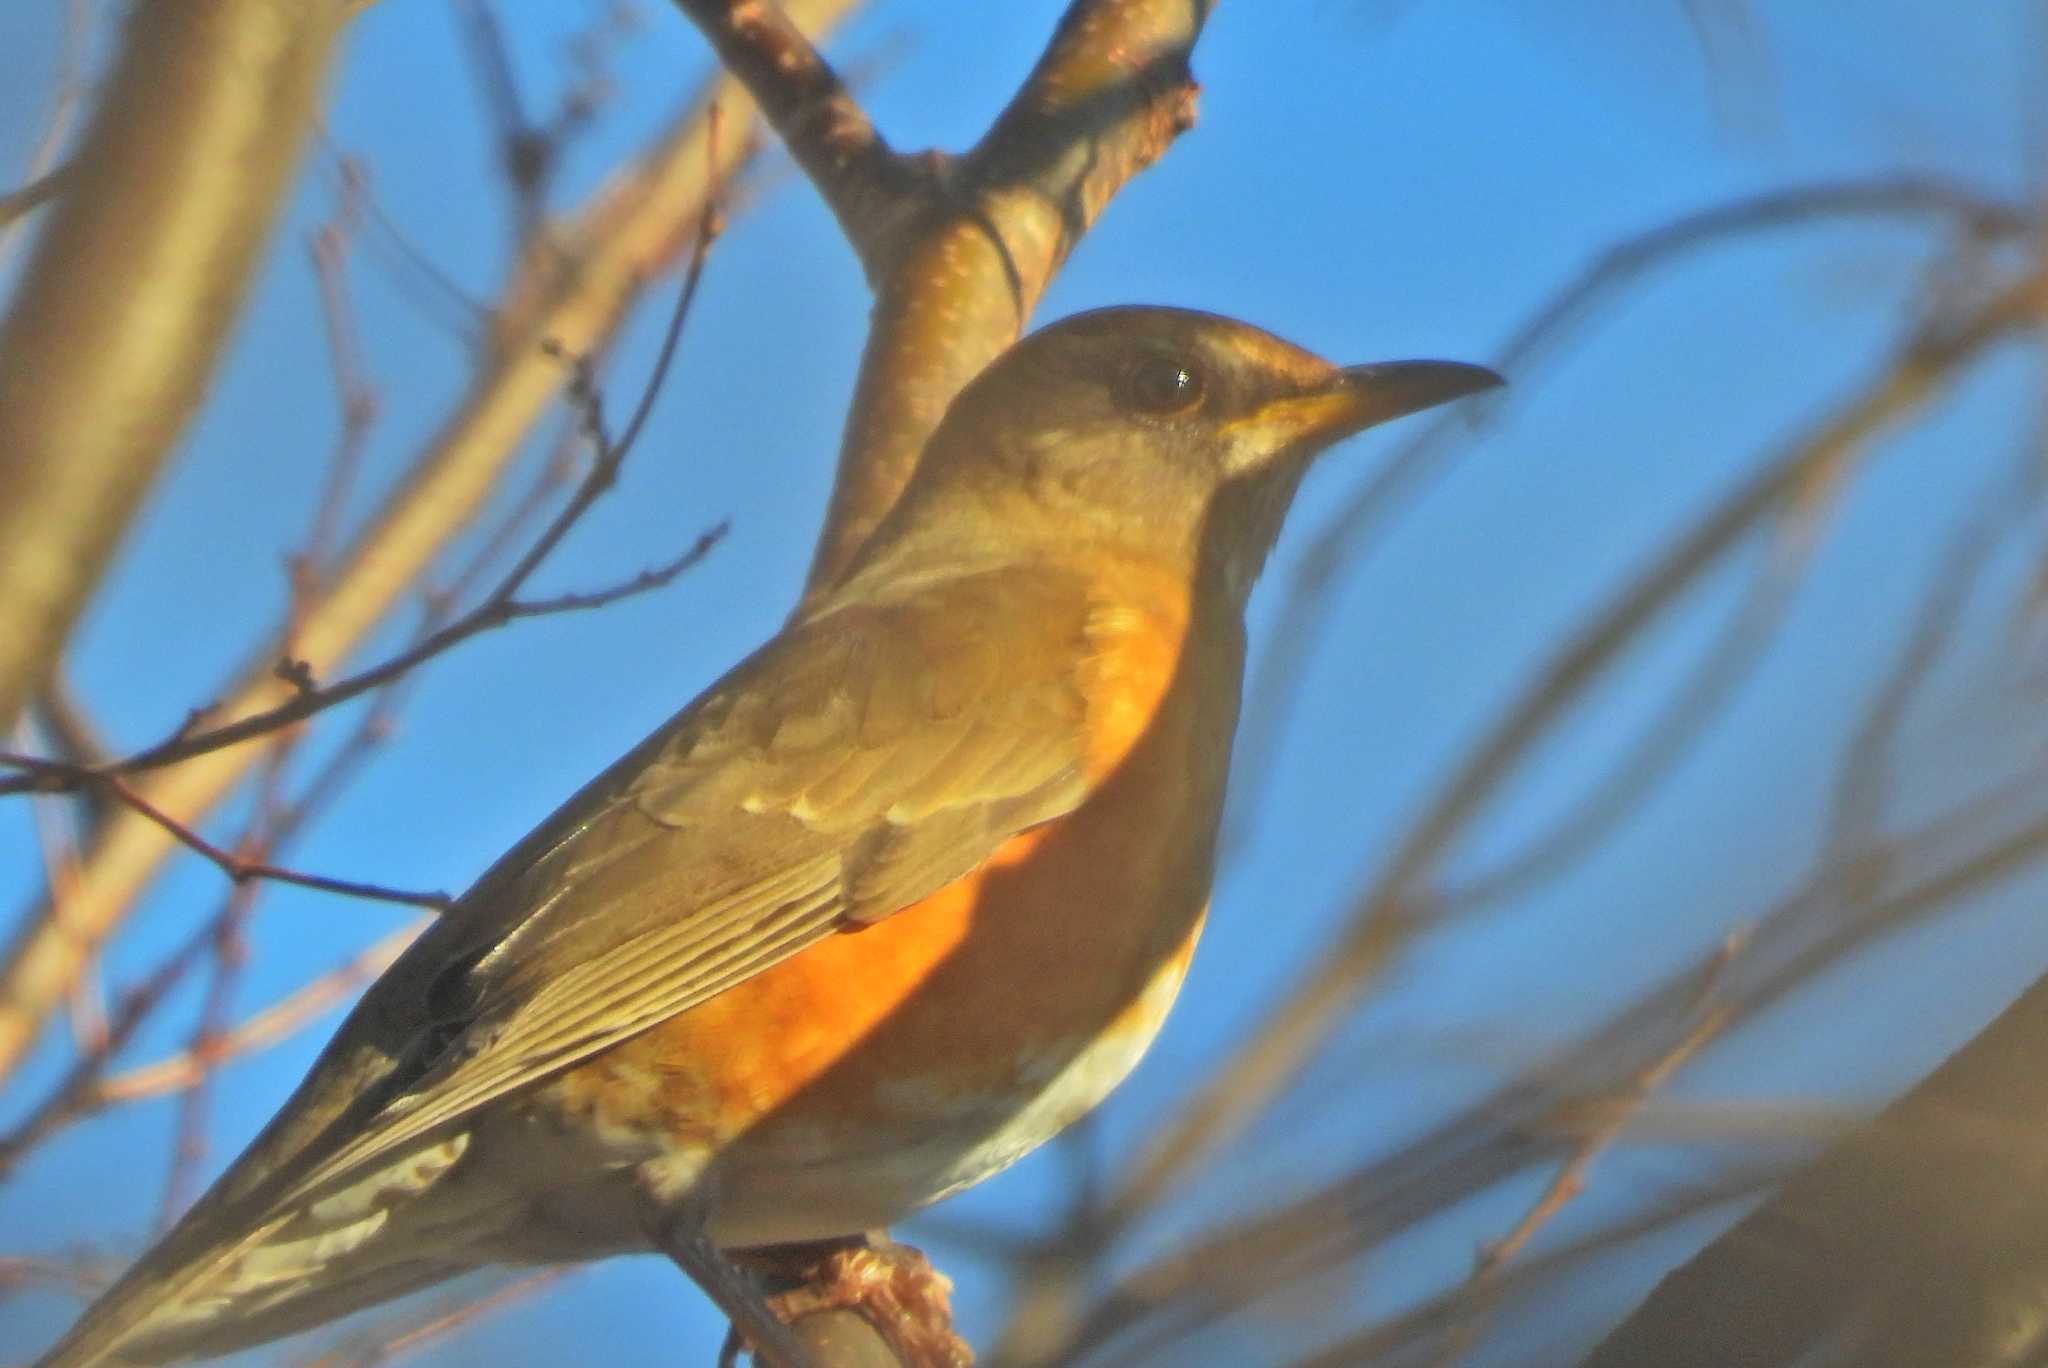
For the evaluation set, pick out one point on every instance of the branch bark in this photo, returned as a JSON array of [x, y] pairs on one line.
[[173, 193]]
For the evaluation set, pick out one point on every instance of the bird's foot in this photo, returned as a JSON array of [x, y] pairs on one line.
[[863, 1302]]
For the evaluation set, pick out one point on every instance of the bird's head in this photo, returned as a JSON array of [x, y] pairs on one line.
[[1169, 429]]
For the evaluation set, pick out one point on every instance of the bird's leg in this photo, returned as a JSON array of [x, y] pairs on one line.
[[862, 1299], [676, 1228]]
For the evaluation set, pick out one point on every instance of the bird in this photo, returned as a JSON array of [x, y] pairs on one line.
[[902, 895]]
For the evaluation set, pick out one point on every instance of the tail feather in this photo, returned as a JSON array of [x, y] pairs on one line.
[[238, 1301], [404, 1225], [242, 1326]]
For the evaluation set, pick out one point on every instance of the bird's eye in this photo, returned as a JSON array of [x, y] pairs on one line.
[[1160, 385]]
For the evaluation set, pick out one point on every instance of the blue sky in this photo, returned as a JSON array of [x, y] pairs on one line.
[[1372, 178]]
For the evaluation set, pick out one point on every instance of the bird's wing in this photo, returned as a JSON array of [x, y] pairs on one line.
[[857, 764], [860, 761]]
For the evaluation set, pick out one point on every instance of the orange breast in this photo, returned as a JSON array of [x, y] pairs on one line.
[[961, 1005]]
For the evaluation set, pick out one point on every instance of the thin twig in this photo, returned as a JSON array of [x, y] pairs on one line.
[[240, 870], [1932, 869], [1383, 1342], [71, 1099], [1610, 1117], [1394, 901], [45, 176], [80, 1277], [356, 398], [626, 235], [1416, 465], [418, 279], [1665, 740], [16, 204], [527, 154], [501, 607]]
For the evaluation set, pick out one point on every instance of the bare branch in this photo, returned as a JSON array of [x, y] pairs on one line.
[[1414, 466], [17, 204], [179, 179], [440, 1322], [1915, 1241], [261, 1030], [958, 251], [241, 870], [1614, 1116], [627, 236], [1526, 1122], [817, 117]]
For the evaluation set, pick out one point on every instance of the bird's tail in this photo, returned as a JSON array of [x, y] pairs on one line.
[[145, 1322], [401, 1227]]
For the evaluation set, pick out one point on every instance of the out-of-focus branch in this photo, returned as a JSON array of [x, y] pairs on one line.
[[634, 229], [1921, 1239], [38, 775], [172, 193], [259, 1031], [958, 250], [1394, 1341], [1541, 1117], [1665, 741], [1917, 1239], [85, 1087], [444, 1319], [1413, 466], [503, 605], [16, 204], [1398, 897], [1609, 1121]]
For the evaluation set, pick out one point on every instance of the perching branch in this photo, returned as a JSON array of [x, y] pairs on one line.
[[957, 249]]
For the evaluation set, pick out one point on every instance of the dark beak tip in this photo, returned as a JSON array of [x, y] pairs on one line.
[[1398, 388], [1452, 377]]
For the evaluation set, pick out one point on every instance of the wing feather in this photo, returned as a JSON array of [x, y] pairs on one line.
[[857, 764]]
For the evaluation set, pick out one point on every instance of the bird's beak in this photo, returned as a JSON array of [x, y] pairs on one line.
[[1358, 397]]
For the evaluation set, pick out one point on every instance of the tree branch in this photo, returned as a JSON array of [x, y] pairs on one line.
[[240, 870], [501, 606], [1396, 898], [624, 239], [817, 117], [1917, 1240], [178, 180], [958, 251]]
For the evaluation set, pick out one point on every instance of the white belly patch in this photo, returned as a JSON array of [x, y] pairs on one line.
[[962, 1139]]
